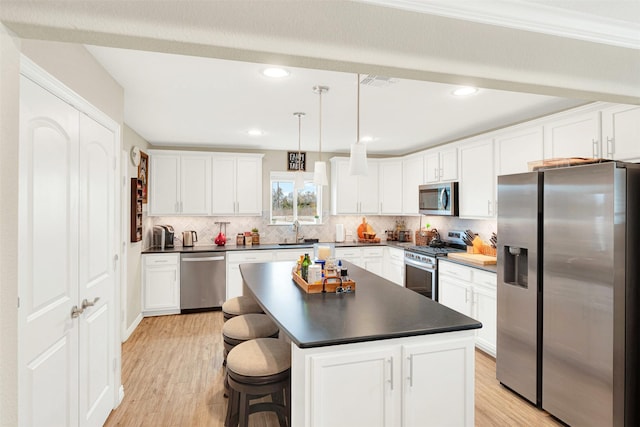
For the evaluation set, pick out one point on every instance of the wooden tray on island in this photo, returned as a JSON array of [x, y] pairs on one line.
[[316, 288]]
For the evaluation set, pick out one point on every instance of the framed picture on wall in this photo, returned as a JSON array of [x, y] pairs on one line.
[[143, 174]]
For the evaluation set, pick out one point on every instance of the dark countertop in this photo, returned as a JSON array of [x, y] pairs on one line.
[[266, 246], [378, 310]]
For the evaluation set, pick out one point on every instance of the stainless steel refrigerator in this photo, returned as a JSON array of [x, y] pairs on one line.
[[568, 299]]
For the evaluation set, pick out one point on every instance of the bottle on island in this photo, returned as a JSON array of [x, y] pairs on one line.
[[304, 271]]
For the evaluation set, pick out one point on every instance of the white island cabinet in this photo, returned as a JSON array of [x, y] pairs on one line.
[[160, 284], [355, 362]]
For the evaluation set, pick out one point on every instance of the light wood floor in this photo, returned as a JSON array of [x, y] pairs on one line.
[[172, 376]]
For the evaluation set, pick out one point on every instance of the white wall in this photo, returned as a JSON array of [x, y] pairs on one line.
[[9, 97]]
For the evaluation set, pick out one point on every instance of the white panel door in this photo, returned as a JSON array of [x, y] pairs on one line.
[[48, 261], [372, 376], [391, 175], [96, 269], [412, 177], [223, 180], [249, 186], [164, 197], [575, 136], [621, 132], [195, 184]]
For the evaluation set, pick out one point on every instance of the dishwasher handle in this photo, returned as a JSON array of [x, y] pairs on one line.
[[209, 258]]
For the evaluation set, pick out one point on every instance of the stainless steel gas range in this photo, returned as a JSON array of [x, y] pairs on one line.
[[421, 265]]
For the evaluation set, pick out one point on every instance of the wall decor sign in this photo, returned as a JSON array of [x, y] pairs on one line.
[[143, 174], [292, 161]]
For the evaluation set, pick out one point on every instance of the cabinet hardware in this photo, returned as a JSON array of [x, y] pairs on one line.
[[594, 143], [435, 173], [410, 378], [441, 172], [86, 303], [610, 147], [391, 376], [76, 312], [466, 295]]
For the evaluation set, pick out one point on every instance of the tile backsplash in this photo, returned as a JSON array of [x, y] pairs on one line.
[[207, 229]]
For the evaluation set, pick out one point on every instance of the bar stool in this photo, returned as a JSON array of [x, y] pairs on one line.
[[246, 327], [258, 368], [238, 306]]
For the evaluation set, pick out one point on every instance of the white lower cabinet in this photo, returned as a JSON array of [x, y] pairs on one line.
[[234, 259], [471, 291], [161, 284], [410, 382], [393, 268], [372, 259], [353, 255]]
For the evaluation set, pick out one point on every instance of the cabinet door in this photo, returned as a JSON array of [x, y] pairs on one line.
[[485, 309], [393, 268], [455, 294], [477, 180], [368, 191], [431, 167], [427, 369], [391, 184], [356, 389], [515, 149], [195, 184], [576, 136], [164, 187], [344, 188], [449, 165], [234, 280], [412, 177], [621, 132], [353, 255], [161, 288], [249, 186], [223, 182]]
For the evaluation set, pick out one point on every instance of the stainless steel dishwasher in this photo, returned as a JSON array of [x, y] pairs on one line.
[[203, 281]]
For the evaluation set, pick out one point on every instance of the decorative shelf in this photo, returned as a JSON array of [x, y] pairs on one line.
[[136, 209]]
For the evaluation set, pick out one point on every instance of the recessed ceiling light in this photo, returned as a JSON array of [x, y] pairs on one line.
[[275, 72], [255, 132], [366, 139], [465, 91]]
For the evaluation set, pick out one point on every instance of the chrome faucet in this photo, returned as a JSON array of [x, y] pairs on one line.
[[296, 228]]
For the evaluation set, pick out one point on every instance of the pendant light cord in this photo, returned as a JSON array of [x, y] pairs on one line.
[[320, 131], [358, 113]]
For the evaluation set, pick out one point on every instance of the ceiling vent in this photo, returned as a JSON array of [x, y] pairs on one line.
[[377, 81]]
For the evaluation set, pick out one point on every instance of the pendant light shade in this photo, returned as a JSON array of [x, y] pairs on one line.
[[299, 181], [358, 158], [320, 167]]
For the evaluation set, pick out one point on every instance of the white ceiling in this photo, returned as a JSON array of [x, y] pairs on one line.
[[203, 102]]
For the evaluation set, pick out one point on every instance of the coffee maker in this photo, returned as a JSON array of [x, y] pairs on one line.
[[163, 236]]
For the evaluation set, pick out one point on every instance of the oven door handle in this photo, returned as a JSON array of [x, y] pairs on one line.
[[419, 265]]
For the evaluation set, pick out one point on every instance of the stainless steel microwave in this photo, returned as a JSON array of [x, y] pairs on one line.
[[438, 199]]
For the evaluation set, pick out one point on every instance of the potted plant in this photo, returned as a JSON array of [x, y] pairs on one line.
[[255, 236]]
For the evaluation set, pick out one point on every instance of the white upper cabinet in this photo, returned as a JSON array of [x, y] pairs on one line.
[[577, 135], [353, 194], [515, 149], [441, 165], [621, 132], [477, 180], [390, 175], [179, 183], [236, 184], [412, 177]]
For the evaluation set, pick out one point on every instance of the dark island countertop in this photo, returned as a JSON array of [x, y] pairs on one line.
[[378, 310]]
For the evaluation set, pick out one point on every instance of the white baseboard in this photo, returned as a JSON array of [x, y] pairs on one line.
[[132, 328], [120, 394]]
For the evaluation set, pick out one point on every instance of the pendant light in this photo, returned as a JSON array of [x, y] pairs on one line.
[[358, 158], [320, 167], [299, 181]]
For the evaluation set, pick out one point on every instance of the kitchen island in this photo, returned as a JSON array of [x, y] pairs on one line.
[[381, 356]]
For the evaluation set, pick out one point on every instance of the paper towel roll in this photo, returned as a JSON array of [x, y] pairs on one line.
[[340, 233]]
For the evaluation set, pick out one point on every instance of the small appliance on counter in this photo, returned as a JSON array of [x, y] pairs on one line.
[[163, 236], [188, 238]]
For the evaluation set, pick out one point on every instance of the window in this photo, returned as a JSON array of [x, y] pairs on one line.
[[288, 205]]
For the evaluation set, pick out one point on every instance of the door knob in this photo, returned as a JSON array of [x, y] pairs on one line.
[[86, 303], [76, 312]]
